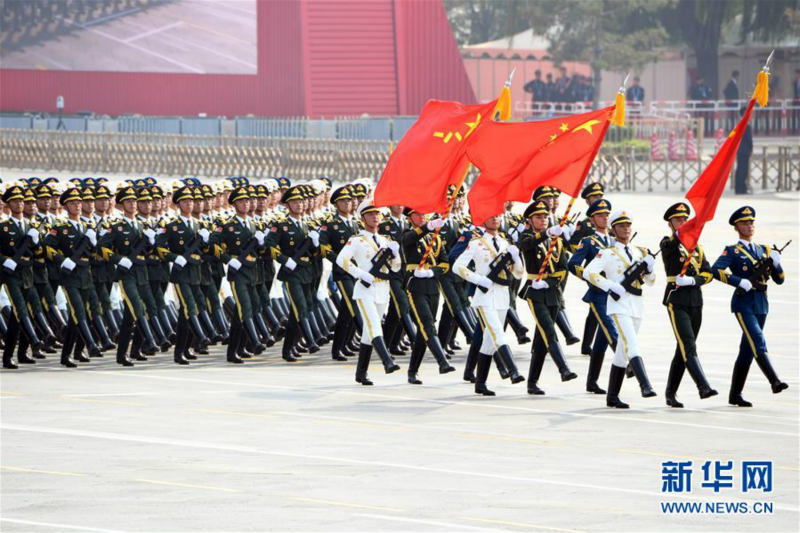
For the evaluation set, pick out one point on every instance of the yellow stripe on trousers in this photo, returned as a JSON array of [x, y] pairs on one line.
[[675, 329], [747, 334], [622, 335]]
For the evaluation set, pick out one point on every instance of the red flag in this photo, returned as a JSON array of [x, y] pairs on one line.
[[431, 156], [516, 158], [706, 191]]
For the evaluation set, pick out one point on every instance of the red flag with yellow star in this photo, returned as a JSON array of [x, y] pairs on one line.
[[517, 157], [431, 156]]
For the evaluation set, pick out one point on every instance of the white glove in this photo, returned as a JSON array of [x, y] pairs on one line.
[[234, 264], [260, 236], [314, 236], [34, 235], [650, 261], [92, 236], [395, 248], [539, 284], [555, 231], [775, 255], [684, 281], [180, 261], [513, 234], [10, 264], [290, 264], [514, 251], [484, 282], [367, 278], [435, 223], [151, 235], [745, 284], [617, 288], [568, 230], [423, 273], [124, 263], [68, 263], [204, 234]]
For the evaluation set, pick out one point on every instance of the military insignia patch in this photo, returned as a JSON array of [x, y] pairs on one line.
[[285, 228], [336, 226], [66, 231], [5, 228]]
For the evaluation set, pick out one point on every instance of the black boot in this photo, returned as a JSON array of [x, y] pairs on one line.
[[388, 364], [252, 335], [166, 325], [595, 367], [102, 332], [364, 354], [417, 353], [534, 371], [261, 325], [236, 340], [561, 362], [738, 379], [88, 339], [615, 377], [48, 337], [305, 328], [637, 364], [512, 318], [501, 367], [508, 361], [198, 331], [222, 325], [149, 346], [765, 365], [158, 334], [69, 341], [278, 331], [316, 331], [566, 328], [696, 371], [112, 326], [484, 363], [27, 326], [464, 324], [410, 328], [674, 377], [472, 361], [589, 329], [438, 354]]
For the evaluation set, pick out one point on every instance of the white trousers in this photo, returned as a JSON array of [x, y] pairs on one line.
[[371, 313], [492, 321], [627, 341]]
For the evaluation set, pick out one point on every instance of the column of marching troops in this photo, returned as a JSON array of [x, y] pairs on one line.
[[139, 269]]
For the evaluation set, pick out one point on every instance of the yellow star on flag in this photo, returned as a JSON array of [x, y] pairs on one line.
[[587, 126], [564, 126], [553, 137]]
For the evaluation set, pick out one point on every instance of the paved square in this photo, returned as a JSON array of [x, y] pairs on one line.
[[272, 446]]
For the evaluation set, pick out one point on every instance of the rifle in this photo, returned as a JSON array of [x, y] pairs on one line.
[[761, 271], [379, 260], [193, 247], [633, 274], [80, 249], [302, 250], [498, 271]]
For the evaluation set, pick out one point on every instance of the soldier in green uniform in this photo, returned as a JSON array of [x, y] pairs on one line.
[[398, 319], [125, 244], [292, 245], [239, 243], [17, 244], [422, 288], [211, 272], [333, 236], [181, 244], [70, 243], [157, 268], [683, 298], [102, 270], [543, 295]]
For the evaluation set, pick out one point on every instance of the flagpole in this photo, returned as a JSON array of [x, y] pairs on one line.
[[506, 85]]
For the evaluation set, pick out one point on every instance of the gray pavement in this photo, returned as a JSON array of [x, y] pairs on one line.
[[272, 446]]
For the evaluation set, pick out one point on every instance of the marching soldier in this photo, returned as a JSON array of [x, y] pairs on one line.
[[511, 224], [749, 267], [102, 270], [398, 320], [370, 258], [607, 271], [125, 244], [17, 244], [492, 299], [542, 294], [597, 299], [422, 288], [584, 228], [239, 243], [683, 298]]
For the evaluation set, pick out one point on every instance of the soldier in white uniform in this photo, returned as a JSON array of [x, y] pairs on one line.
[[371, 293], [607, 271], [491, 299]]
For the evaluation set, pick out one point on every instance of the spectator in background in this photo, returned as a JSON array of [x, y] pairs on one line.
[[537, 88], [701, 91], [588, 89], [562, 86], [743, 158], [549, 87], [635, 92], [796, 102], [731, 91]]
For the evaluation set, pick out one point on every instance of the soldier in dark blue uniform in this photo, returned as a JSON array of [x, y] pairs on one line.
[[596, 298], [748, 267]]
